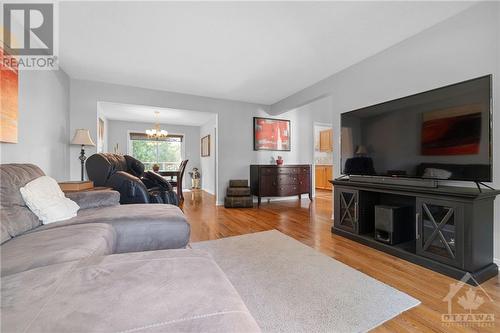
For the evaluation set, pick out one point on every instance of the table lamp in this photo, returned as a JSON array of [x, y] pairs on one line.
[[361, 150], [82, 137]]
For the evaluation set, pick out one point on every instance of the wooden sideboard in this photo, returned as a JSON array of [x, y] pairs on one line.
[[280, 181]]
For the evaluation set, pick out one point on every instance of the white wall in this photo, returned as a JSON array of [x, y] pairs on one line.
[[235, 151], [302, 121], [463, 47], [302, 132], [118, 132], [208, 163], [235, 125], [43, 126]]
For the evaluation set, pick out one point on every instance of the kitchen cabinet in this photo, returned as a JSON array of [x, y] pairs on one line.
[[323, 173], [326, 140]]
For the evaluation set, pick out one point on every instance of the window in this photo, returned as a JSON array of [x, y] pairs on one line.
[[166, 152]]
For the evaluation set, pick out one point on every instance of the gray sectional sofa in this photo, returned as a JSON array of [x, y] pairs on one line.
[[112, 268]]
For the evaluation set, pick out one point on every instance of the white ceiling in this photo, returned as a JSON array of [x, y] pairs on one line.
[[146, 114], [249, 51]]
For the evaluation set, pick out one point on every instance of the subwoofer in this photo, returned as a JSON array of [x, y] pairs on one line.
[[393, 224]]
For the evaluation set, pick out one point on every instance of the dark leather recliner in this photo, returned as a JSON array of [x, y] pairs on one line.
[[126, 175], [359, 165]]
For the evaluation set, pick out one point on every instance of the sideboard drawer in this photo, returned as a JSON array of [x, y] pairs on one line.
[[287, 190], [293, 171], [286, 179], [285, 170], [268, 171], [305, 170]]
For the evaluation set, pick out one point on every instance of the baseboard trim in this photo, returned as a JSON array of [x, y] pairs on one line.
[[496, 261], [271, 199], [209, 192]]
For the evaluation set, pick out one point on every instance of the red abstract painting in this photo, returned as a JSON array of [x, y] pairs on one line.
[[9, 86], [454, 131], [271, 134]]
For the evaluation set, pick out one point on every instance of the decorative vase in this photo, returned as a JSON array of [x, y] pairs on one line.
[[279, 161]]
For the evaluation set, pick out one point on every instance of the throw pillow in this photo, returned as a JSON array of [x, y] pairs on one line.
[[44, 198]]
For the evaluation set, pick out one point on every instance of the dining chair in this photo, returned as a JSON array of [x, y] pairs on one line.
[[177, 182]]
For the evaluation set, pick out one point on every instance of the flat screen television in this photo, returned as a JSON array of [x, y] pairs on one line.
[[444, 133]]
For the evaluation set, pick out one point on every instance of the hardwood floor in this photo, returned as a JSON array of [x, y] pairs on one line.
[[310, 224]]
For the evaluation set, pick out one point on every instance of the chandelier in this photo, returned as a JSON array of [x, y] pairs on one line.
[[156, 132]]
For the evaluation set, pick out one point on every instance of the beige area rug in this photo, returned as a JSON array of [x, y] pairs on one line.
[[290, 287]]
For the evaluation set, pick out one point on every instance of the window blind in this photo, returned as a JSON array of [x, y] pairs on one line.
[[145, 137]]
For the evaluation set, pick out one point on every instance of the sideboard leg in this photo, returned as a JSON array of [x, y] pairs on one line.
[[258, 201]]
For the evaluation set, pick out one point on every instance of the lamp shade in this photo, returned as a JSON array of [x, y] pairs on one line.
[[361, 150], [82, 137]]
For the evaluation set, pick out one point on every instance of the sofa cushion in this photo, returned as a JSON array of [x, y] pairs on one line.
[[139, 227], [94, 199], [4, 233], [42, 248], [158, 291], [16, 217]]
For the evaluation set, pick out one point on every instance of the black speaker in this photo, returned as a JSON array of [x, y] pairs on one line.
[[393, 224]]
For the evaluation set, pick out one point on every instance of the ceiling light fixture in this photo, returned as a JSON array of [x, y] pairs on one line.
[[156, 132]]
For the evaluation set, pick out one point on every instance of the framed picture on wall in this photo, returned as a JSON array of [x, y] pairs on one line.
[[205, 146], [271, 134]]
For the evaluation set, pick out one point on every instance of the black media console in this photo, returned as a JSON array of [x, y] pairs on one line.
[[451, 227]]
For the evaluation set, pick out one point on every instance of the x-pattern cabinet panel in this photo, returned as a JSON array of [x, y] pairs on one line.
[[346, 211], [440, 230], [353, 211]]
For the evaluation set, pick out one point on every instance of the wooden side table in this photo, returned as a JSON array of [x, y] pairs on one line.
[[79, 186]]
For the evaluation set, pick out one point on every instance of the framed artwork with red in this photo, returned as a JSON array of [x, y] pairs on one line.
[[271, 134]]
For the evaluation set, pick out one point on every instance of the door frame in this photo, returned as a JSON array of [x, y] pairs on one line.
[[313, 171]]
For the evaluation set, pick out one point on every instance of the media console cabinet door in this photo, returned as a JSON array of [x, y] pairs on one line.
[[440, 227], [346, 209]]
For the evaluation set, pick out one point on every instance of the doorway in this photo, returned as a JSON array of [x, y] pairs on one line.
[[125, 129], [323, 156]]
